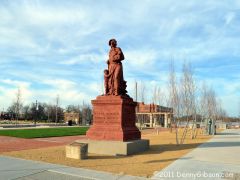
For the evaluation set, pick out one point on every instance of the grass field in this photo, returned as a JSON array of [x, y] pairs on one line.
[[44, 132]]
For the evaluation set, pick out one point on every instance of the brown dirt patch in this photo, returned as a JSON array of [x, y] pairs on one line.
[[8, 144], [163, 151]]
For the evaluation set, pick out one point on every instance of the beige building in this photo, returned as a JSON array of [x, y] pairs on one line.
[[74, 117], [152, 115]]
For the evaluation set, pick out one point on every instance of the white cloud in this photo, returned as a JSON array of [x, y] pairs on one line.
[[63, 44], [59, 83], [139, 58], [229, 17], [69, 91], [89, 58], [20, 84], [9, 93]]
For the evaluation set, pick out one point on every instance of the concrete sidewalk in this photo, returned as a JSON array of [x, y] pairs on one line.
[[14, 168], [218, 158]]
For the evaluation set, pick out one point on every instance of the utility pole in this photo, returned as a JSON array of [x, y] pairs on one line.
[[35, 121], [136, 91], [57, 101], [78, 108]]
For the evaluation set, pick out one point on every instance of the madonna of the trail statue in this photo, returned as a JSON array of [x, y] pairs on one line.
[[113, 77], [114, 112]]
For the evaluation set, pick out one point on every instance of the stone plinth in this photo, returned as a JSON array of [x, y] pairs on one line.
[[116, 147], [77, 150], [114, 119]]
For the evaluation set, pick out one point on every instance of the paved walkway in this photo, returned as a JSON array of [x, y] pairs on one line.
[[14, 168], [215, 159]]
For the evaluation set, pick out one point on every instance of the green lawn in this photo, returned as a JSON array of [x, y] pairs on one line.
[[44, 132]]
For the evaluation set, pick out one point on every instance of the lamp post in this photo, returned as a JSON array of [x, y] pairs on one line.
[[35, 119]]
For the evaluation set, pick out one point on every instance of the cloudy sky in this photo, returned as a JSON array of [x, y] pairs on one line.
[[50, 48]]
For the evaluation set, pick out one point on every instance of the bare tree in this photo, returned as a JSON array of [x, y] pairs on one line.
[[86, 114], [221, 113], [212, 108], [174, 99], [54, 113], [142, 98], [203, 102], [18, 104], [158, 96], [154, 95], [156, 99], [139, 117], [161, 97], [188, 93], [142, 92], [201, 105]]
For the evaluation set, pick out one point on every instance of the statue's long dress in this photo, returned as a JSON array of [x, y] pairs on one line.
[[116, 83]]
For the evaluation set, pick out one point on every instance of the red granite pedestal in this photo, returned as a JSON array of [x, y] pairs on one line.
[[114, 119], [113, 131]]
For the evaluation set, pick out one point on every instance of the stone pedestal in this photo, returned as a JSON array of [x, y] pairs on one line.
[[77, 150], [116, 147], [114, 119]]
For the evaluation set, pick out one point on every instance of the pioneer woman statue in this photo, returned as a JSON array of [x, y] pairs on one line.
[[114, 81]]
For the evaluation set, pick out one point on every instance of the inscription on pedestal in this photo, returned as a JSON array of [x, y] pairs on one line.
[[106, 117], [113, 121]]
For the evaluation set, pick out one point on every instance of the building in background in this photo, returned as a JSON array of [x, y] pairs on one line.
[[152, 115], [72, 116]]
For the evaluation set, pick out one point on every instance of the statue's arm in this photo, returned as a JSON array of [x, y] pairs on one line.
[[119, 56]]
